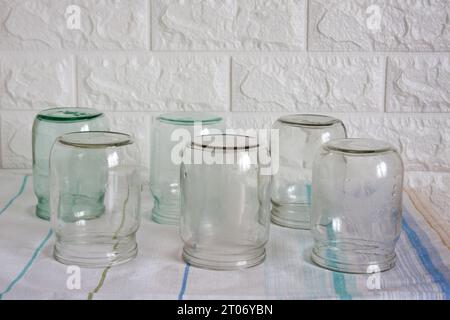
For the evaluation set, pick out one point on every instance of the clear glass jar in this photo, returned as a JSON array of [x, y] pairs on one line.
[[48, 125], [300, 136], [171, 133], [225, 206], [356, 205], [95, 198]]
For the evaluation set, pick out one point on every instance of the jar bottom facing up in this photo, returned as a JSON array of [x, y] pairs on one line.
[[166, 214], [95, 252], [218, 261], [296, 216], [353, 256]]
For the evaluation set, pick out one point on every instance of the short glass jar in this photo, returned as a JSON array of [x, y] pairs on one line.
[[356, 205], [300, 136], [225, 204], [170, 134], [95, 198], [48, 125]]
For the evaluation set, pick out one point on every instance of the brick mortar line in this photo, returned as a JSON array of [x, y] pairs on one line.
[[75, 80], [257, 113], [27, 170], [230, 85], [149, 28], [55, 52], [306, 27], [385, 84], [433, 121]]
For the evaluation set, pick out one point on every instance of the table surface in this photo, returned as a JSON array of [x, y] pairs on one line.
[[28, 270]]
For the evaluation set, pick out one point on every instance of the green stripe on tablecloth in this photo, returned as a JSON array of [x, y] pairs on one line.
[[100, 283], [105, 271]]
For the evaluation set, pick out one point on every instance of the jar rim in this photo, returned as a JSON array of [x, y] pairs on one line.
[[96, 139], [68, 114], [309, 120], [189, 118], [358, 146], [227, 142]]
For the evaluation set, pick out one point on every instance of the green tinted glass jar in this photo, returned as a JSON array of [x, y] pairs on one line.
[[48, 125], [170, 134]]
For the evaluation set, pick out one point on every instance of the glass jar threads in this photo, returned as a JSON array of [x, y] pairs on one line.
[[225, 205], [300, 136], [95, 198], [48, 125], [170, 134], [356, 205]]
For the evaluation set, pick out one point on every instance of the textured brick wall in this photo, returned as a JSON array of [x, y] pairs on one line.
[[383, 66]]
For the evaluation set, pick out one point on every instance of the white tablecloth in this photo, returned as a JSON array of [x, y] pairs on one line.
[[28, 270]]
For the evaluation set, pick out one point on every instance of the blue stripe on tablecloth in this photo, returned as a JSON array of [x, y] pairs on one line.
[[338, 278], [422, 248], [184, 282], [10, 202], [340, 287], [28, 265]]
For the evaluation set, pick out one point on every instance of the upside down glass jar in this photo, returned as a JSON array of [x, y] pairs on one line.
[[300, 136], [356, 205], [48, 125], [225, 204], [170, 134], [95, 198]]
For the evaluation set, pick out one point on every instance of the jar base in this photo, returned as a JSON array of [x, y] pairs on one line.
[[43, 212], [89, 212], [319, 257], [223, 262], [97, 252], [294, 216], [171, 218]]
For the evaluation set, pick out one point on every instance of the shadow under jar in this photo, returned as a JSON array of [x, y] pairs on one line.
[[170, 134], [48, 125], [225, 207], [356, 205], [95, 198], [300, 136]]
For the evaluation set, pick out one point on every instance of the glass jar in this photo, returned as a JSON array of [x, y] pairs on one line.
[[95, 198], [170, 134], [300, 136], [356, 205], [225, 205], [48, 125]]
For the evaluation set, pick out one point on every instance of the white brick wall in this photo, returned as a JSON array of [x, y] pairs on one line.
[[229, 25], [153, 82], [383, 66], [308, 82], [405, 25]]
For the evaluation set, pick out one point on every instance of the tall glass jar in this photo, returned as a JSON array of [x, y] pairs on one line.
[[170, 134], [300, 136], [48, 125], [95, 198], [225, 205], [356, 205]]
